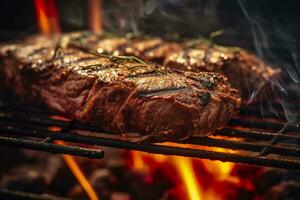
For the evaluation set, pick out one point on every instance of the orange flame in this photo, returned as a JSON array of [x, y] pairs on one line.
[[214, 173], [47, 16], [75, 169], [182, 165], [80, 176], [186, 172], [137, 161], [95, 15]]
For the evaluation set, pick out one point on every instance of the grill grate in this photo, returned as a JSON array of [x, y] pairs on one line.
[[248, 138], [20, 195]]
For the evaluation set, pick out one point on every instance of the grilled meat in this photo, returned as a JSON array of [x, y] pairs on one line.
[[119, 94], [245, 71]]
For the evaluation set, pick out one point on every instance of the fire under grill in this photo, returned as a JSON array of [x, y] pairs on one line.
[[253, 137]]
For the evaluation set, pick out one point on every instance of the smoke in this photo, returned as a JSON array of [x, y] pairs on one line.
[[261, 40], [150, 6], [123, 15], [286, 87], [164, 17], [73, 15], [186, 17]]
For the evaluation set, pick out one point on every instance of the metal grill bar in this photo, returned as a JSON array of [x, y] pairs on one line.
[[49, 147], [18, 195], [169, 150], [256, 140], [211, 142], [252, 111], [259, 135], [264, 124]]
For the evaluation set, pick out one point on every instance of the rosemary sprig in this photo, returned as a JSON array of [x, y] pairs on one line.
[[209, 42], [214, 35], [195, 42], [62, 42], [117, 59], [57, 47], [127, 58], [202, 40]]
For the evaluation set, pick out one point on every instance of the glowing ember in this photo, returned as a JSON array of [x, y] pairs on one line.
[[60, 118], [54, 128]]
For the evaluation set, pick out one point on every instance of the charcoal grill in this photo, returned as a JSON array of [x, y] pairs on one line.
[[249, 138]]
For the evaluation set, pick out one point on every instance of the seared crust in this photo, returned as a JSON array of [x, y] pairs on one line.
[[120, 96], [244, 70]]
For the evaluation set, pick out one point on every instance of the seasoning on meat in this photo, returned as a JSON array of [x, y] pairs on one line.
[[244, 70]]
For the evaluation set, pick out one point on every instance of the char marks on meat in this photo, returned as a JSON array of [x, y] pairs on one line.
[[122, 96], [244, 70]]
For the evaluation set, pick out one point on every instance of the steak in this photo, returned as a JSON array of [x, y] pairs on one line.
[[244, 70], [120, 94]]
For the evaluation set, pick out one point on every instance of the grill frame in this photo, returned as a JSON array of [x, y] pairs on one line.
[[24, 126]]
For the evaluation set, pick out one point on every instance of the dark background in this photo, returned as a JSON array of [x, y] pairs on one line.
[[270, 28]]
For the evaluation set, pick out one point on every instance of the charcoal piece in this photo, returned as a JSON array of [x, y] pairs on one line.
[[289, 190], [27, 178]]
